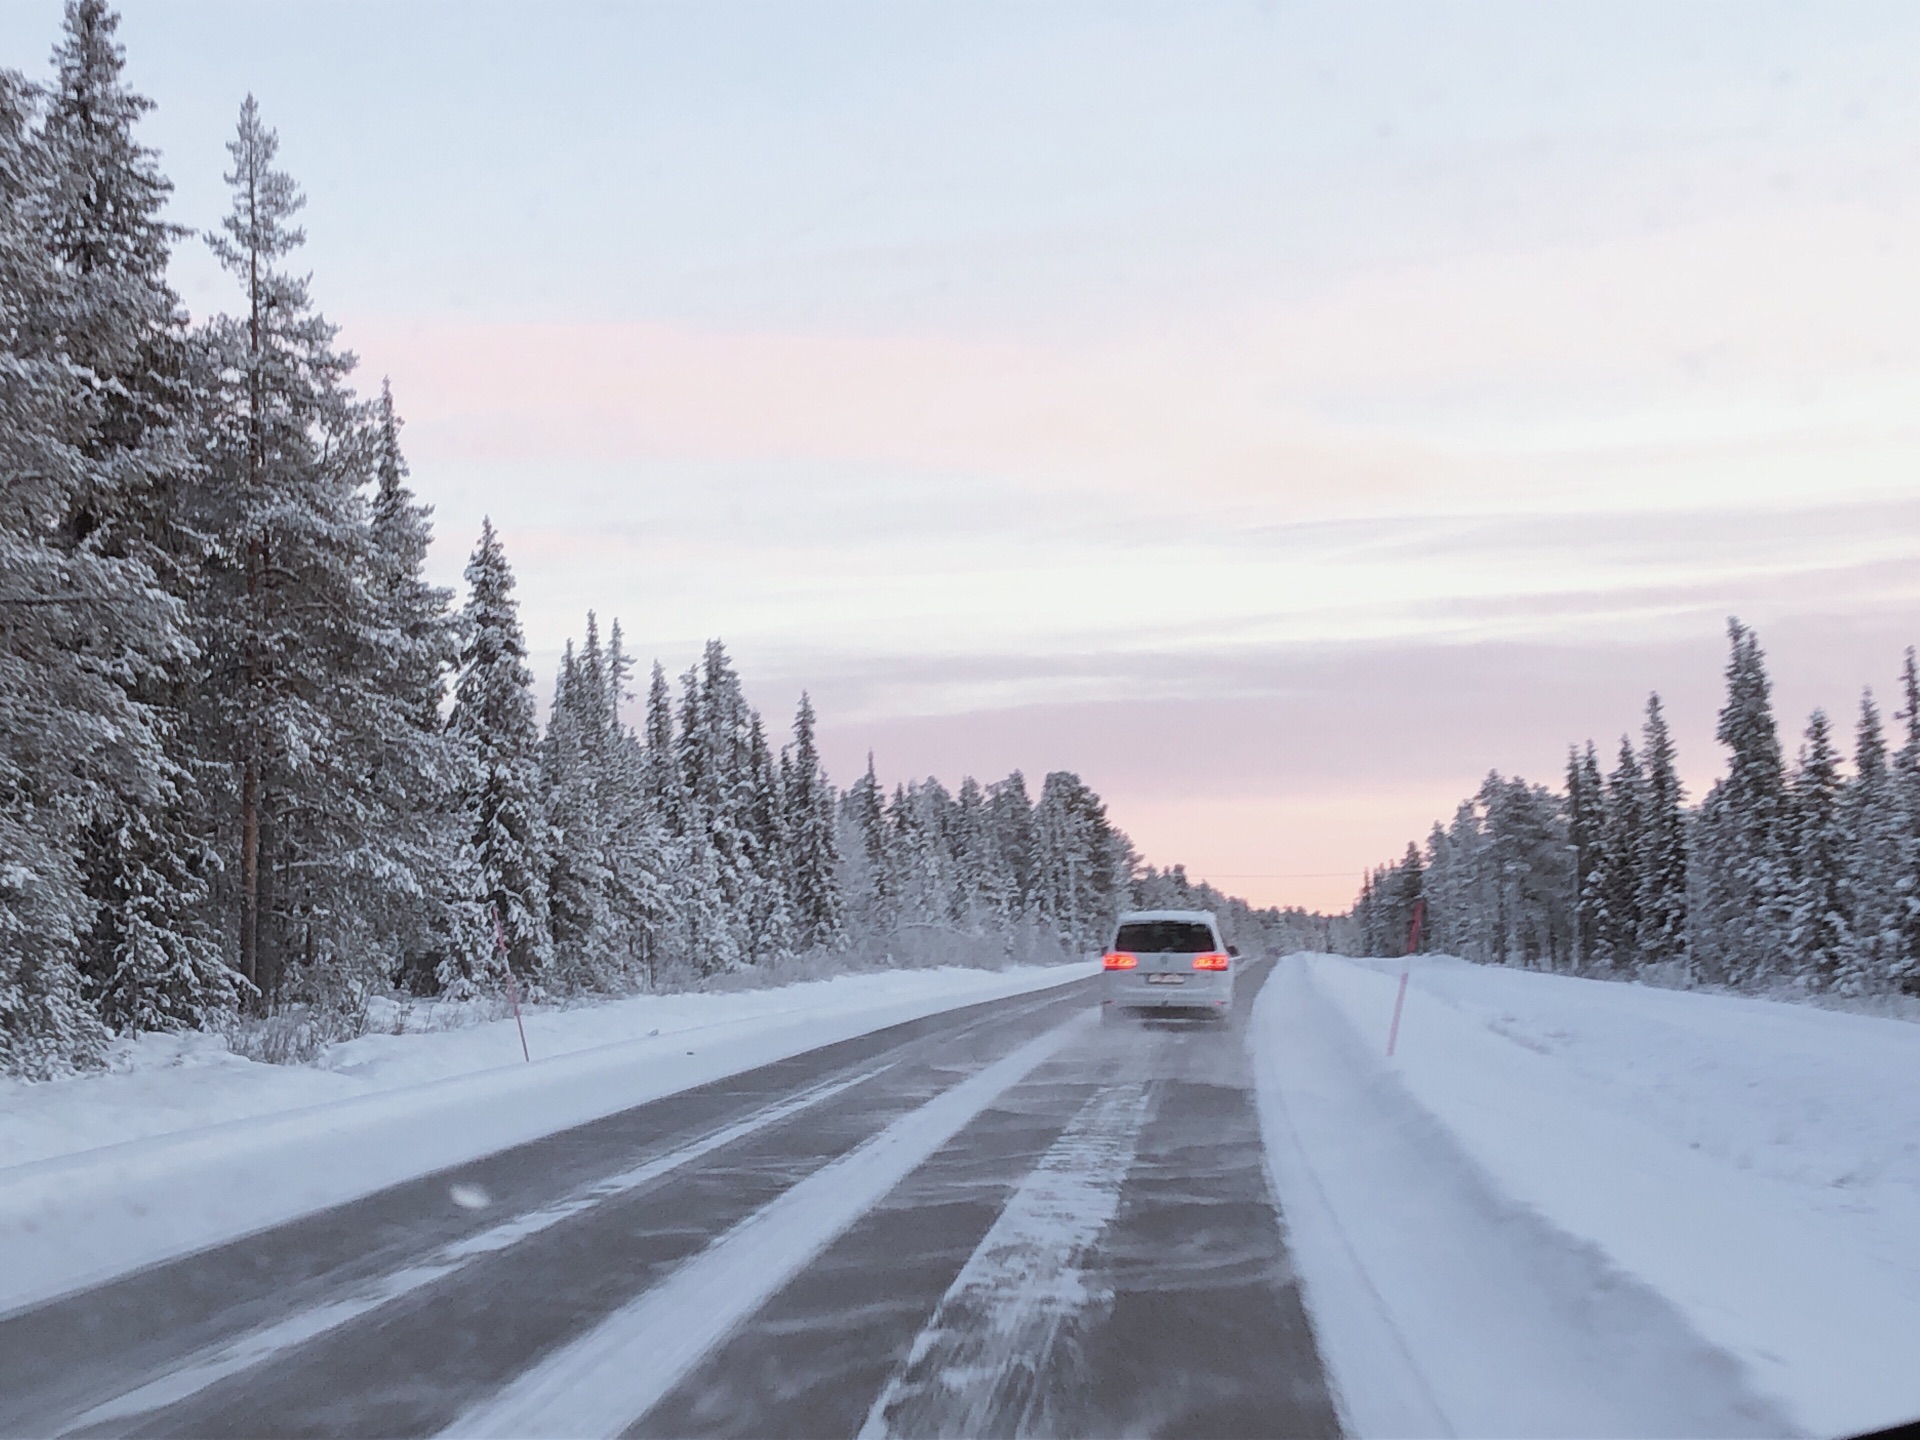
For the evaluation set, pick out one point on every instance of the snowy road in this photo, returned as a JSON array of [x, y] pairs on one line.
[[1004, 1219]]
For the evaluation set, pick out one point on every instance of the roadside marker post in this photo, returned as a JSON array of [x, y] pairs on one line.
[[1406, 968], [513, 990]]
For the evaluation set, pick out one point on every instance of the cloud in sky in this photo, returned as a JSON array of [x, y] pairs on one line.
[[1280, 414]]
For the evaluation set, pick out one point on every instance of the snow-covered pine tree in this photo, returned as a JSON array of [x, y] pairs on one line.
[[1906, 775], [862, 838], [1438, 889], [917, 868], [1409, 892], [641, 906], [1874, 891], [577, 870], [1586, 832], [1082, 864], [294, 637], [153, 959], [1366, 922], [493, 724], [61, 707], [769, 897], [813, 855], [985, 884], [668, 814], [719, 763], [1457, 912], [1010, 814], [666, 795], [1817, 938], [1530, 870], [425, 892], [711, 922], [1617, 881], [1739, 933], [1661, 901]]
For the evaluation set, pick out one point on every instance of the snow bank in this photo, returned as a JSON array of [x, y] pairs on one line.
[[187, 1145], [1754, 1165]]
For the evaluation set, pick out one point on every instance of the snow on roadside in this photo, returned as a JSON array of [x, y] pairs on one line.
[[186, 1145], [1754, 1165]]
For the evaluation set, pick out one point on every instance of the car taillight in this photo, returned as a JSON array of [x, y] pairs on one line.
[[1120, 960], [1217, 960]]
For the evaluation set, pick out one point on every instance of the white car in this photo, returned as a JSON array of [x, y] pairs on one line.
[[1168, 961]]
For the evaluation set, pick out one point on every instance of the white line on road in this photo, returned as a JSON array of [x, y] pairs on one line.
[[604, 1381], [973, 1369], [197, 1372]]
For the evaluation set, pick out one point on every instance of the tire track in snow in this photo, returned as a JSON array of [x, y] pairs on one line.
[[977, 1367], [610, 1377], [196, 1373]]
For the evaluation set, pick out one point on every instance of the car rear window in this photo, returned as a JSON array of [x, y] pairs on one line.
[[1164, 937]]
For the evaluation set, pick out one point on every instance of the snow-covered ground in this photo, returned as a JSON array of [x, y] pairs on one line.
[[1572, 1207], [185, 1144]]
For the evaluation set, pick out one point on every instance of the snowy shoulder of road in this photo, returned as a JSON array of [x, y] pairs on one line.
[[1567, 1206], [184, 1144]]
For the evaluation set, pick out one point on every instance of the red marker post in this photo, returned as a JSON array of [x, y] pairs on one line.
[[1400, 1000], [513, 990]]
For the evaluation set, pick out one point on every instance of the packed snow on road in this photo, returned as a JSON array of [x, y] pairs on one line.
[[1561, 1207]]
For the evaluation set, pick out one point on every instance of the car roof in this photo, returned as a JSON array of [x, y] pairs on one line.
[[1201, 917]]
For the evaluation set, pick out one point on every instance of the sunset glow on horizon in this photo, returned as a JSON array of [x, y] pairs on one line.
[[1280, 415]]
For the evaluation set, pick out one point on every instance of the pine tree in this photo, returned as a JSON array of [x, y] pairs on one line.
[[1409, 893], [61, 707], [1906, 776], [1366, 921], [1661, 901], [769, 896], [99, 207], [1817, 938], [498, 739], [1458, 912], [1586, 832], [1440, 893], [917, 864], [1874, 898], [863, 854], [666, 795], [577, 877], [1082, 866], [1739, 928], [813, 856], [426, 889], [986, 898], [295, 637], [1010, 815], [1529, 873], [708, 748], [152, 960], [640, 856], [1618, 883]]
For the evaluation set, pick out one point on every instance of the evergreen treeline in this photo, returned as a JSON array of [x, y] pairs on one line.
[[251, 762], [1783, 874]]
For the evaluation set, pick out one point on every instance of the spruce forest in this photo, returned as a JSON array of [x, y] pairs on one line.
[[253, 765], [1797, 878]]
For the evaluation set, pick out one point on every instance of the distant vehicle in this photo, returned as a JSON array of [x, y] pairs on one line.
[[1168, 961]]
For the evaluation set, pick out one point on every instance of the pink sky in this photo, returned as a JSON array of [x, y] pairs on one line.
[[1280, 415], [1282, 583]]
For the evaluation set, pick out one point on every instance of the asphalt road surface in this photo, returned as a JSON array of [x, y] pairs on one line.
[[1004, 1220]]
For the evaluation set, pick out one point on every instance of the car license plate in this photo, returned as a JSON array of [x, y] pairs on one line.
[[1166, 979]]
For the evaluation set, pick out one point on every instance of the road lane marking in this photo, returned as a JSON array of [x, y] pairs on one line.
[[972, 1370], [196, 1373], [603, 1382]]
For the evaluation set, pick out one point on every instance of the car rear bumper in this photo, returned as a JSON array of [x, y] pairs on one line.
[[1197, 990]]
